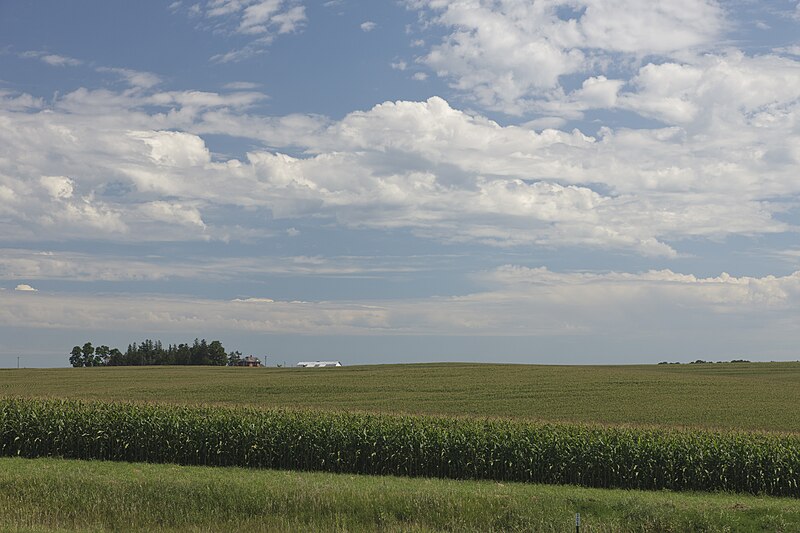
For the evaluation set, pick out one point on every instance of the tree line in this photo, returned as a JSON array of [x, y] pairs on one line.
[[151, 352]]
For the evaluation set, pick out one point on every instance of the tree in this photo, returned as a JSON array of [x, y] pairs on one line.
[[88, 354], [216, 354], [151, 352], [115, 357], [101, 355], [183, 354], [234, 358], [200, 353], [76, 357]]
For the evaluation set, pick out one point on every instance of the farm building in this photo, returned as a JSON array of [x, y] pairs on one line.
[[318, 364], [250, 360]]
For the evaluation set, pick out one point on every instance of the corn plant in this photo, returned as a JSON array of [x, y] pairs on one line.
[[459, 448]]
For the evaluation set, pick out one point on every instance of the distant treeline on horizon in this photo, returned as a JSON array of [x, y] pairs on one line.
[[151, 352]]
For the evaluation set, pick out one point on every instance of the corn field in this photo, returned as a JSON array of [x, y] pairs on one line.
[[458, 448]]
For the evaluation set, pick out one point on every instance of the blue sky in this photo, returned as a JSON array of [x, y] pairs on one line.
[[576, 181]]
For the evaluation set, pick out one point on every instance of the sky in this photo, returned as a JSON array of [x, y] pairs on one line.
[[524, 181]]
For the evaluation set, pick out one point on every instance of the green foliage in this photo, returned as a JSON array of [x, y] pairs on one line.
[[457, 448], [216, 354], [76, 357], [88, 354], [149, 353], [65, 495], [234, 358]]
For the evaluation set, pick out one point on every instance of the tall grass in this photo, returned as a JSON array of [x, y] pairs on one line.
[[593, 456], [67, 495]]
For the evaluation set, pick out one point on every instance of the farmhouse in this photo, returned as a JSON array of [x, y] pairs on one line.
[[318, 364], [250, 360]]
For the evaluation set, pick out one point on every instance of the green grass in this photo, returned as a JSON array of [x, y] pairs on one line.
[[39, 495], [741, 396]]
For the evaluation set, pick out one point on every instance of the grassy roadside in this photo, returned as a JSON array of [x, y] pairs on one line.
[[60, 495], [739, 396]]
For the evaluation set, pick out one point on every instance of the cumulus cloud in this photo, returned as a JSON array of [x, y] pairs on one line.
[[368, 26], [174, 148], [23, 287], [509, 54], [723, 88], [106, 160]]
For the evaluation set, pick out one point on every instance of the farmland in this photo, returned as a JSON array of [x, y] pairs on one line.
[[740, 396], [731, 427], [408, 445]]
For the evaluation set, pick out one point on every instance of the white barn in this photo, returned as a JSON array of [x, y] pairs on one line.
[[318, 364]]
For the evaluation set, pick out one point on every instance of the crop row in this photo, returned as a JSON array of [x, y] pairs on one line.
[[456, 448]]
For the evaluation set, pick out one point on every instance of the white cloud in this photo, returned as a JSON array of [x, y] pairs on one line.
[[264, 16], [34, 265], [656, 309], [723, 293], [263, 20], [57, 186], [54, 60], [793, 50], [725, 89], [439, 172], [23, 287], [419, 76], [173, 213], [59, 61], [134, 78], [507, 54], [368, 26], [17, 102], [174, 148]]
